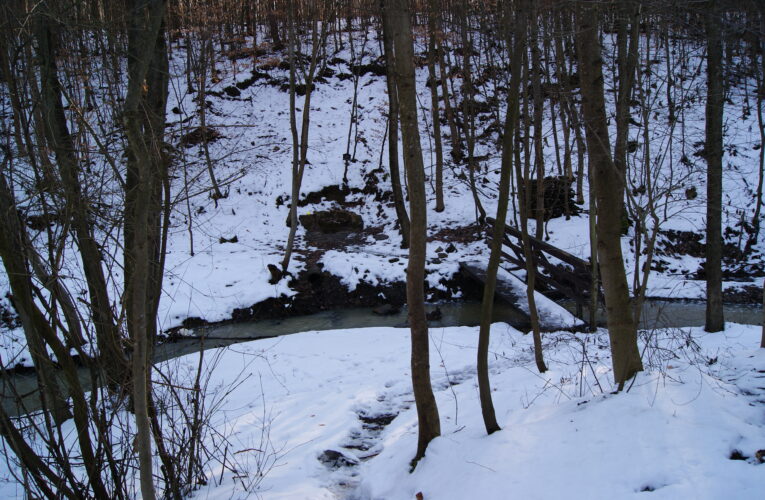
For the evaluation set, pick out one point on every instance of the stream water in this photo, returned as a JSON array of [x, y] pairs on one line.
[[656, 314]]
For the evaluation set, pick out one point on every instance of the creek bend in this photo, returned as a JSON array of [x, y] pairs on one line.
[[19, 391]]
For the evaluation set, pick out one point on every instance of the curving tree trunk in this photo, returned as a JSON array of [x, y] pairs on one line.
[[536, 90], [144, 120], [434, 107], [61, 141], [300, 147], [762, 341]]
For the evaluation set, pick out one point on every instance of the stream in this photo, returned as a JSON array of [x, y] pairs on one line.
[[656, 314]]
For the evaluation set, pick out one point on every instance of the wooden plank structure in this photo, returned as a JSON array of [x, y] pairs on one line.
[[512, 290], [558, 271]]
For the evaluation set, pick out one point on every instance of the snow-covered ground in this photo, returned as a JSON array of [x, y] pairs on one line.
[[330, 415], [255, 151], [700, 400], [564, 433], [209, 277]]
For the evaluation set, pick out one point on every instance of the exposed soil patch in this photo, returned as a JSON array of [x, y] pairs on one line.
[[460, 234], [558, 197], [200, 135], [332, 221], [300, 89], [736, 266], [335, 459], [376, 68], [750, 294], [317, 291], [681, 243], [377, 422], [8, 319], [334, 193], [372, 182], [254, 77]]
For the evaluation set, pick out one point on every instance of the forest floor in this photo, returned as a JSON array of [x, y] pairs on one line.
[[329, 414]]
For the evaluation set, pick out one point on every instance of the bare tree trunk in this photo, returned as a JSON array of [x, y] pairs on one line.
[[759, 73], [206, 55], [273, 26], [143, 113], [508, 141], [536, 86], [594, 267], [61, 141], [609, 190], [434, 107], [714, 152], [300, 148], [12, 256], [468, 116], [393, 120], [427, 411], [627, 26], [454, 132], [524, 202]]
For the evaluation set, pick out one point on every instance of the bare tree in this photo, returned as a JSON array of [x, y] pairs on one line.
[[468, 103], [300, 146], [536, 86], [762, 341], [714, 152], [144, 120], [393, 121], [609, 189], [433, 57], [427, 411], [508, 141]]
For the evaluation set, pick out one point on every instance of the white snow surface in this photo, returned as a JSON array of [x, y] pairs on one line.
[[252, 162], [564, 433]]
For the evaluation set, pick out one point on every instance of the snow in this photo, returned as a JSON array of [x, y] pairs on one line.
[[209, 279], [565, 434]]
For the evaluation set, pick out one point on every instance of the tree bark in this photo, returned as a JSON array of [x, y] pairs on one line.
[[434, 107], [144, 115], [508, 141], [468, 116], [20, 280], [762, 341], [539, 161], [609, 191], [714, 152], [300, 148], [393, 120], [60, 140], [427, 411], [523, 176]]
